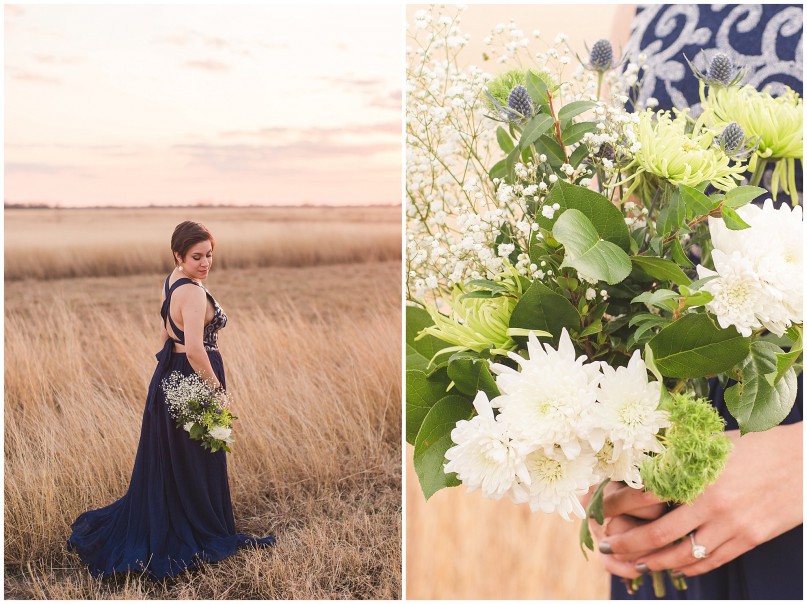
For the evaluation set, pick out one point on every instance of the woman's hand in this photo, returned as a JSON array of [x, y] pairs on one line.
[[637, 507], [757, 497]]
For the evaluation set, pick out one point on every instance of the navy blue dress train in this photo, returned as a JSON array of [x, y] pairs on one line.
[[177, 510]]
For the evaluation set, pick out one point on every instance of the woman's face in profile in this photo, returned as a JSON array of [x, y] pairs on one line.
[[198, 260]]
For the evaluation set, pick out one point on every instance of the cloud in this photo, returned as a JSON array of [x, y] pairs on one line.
[[392, 127], [14, 10], [24, 75], [389, 100], [208, 65], [54, 60], [199, 40], [37, 168], [260, 157]]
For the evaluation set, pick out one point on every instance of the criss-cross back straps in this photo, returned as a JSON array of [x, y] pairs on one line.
[[165, 311]]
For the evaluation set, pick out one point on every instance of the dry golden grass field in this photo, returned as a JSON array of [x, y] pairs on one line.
[[312, 353], [460, 545]]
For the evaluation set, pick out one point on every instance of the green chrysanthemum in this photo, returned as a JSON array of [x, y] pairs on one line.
[[475, 324], [671, 149], [696, 450], [777, 123]]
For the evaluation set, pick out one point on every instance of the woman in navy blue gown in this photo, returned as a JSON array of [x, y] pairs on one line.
[[750, 521], [177, 511]]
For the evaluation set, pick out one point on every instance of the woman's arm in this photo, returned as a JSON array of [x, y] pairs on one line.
[[757, 497], [193, 306]]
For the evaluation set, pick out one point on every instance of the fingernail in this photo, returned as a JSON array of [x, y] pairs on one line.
[[642, 568], [605, 548]]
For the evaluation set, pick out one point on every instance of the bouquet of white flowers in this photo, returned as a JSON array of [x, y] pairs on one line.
[[569, 301], [199, 410]]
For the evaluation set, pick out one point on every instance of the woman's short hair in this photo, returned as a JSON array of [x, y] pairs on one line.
[[187, 234]]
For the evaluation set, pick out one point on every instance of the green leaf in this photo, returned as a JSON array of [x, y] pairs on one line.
[[536, 88], [542, 309], [693, 347], [736, 198], [591, 329], [471, 374], [679, 255], [574, 108], [421, 394], [661, 298], [596, 511], [672, 216], [505, 142], [550, 145], [605, 216], [417, 320], [586, 252], [786, 360], [534, 129], [698, 298], [578, 155], [510, 162], [197, 431], [733, 220], [574, 133], [697, 204], [661, 269], [756, 404], [434, 439], [499, 170]]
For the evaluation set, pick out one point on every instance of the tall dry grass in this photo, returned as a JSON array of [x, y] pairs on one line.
[[67, 243], [316, 462], [463, 546]]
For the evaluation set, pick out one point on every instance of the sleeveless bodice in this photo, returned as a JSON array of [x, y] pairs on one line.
[[211, 331]]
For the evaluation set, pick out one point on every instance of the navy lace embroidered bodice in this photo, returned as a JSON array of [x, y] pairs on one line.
[[211, 332]]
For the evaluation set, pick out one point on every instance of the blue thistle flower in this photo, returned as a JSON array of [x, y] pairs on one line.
[[721, 71], [519, 101], [601, 57], [731, 139]]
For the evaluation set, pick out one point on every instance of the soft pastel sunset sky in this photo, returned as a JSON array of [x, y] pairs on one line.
[[155, 104]]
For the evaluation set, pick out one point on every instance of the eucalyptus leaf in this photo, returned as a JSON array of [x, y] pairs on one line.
[[578, 155], [605, 216], [679, 255], [587, 252]]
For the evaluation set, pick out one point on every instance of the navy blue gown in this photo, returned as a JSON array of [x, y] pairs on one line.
[[177, 510], [767, 39]]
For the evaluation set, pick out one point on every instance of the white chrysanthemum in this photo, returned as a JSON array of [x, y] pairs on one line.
[[628, 406], [547, 403], [484, 456], [556, 482], [760, 269], [220, 432], [619, 464]]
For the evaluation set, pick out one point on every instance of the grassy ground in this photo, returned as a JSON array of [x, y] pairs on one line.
[[312, 356]]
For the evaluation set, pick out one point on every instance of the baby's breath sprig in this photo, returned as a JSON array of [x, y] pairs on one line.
[[696, 450]]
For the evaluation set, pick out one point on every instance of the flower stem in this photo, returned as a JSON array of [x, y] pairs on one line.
[[759, 170]]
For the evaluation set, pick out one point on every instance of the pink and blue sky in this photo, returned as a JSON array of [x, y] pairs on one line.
[[153, 104]]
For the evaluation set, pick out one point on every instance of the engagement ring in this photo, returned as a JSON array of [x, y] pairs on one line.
[[698, 551]]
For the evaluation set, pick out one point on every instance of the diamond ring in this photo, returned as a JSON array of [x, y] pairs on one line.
[[698, 551]]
